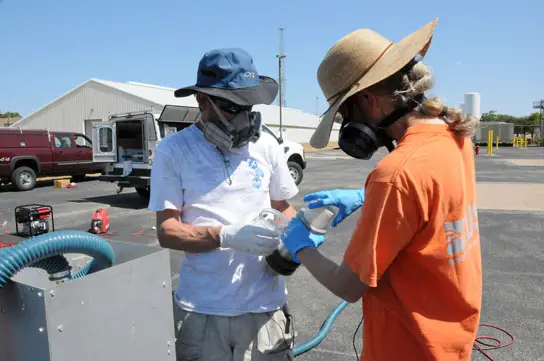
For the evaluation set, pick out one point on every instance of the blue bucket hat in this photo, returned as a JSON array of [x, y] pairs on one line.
[[230, 74]]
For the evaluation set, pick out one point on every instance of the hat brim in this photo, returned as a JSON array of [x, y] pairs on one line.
[[394, 59], [264, 93]]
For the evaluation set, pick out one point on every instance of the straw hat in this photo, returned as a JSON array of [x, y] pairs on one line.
[[360, 60]]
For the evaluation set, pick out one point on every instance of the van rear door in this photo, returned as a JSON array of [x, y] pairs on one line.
[[104, 142], [175, 118], [150, 138]]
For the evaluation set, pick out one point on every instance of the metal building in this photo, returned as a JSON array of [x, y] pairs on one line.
[[95, 100]]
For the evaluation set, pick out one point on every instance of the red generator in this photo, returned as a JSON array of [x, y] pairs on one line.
[[35, 219], [100, 222]]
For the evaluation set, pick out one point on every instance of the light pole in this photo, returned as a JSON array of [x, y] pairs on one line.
[[539, 104], [280, 81]]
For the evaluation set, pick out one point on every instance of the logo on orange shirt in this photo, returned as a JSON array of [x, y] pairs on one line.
[[462, 235]]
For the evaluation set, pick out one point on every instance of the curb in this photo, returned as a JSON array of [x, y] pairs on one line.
[[309, 149], [63, 177]]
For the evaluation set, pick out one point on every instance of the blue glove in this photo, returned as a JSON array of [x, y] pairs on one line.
[[297, 236], [347, 201]]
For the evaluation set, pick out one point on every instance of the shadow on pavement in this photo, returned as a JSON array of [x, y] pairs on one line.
[[5, 188], [9, 187], [127, 200]]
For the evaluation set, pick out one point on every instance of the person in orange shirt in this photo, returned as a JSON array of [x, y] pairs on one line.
[[414, 256]]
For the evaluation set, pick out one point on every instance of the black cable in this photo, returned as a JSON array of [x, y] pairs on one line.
[[491, 343], [355, 334]]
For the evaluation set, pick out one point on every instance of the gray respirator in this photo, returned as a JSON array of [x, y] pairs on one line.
[[245, 127]]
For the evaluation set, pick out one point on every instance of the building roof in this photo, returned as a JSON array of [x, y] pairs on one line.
[[162, 96], [165, 96], [153, 93]]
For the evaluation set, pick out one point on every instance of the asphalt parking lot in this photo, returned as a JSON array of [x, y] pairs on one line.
[[511, 216]]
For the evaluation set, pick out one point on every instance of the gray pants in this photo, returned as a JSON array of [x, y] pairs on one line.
[[252, 336]]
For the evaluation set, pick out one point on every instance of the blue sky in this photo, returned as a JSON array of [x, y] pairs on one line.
[[48, 47]]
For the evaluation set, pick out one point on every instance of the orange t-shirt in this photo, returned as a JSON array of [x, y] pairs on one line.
[[417, 247]]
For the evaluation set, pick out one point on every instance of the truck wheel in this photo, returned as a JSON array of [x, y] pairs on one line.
[[296, 172], [143, 192], [24, 178]]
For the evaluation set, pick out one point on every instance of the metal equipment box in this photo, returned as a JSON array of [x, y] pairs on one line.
[[124, 312]]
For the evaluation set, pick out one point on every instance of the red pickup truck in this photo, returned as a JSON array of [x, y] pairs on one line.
[[27, 154]]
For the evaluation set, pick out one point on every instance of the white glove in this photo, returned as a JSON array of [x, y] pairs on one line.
[[250, 239]]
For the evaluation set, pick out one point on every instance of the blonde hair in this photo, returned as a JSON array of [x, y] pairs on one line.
[[405, 86]]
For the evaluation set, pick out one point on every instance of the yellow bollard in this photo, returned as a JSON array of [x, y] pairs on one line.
[[490, 142], [497, 143], [515, 142], [525, 142]]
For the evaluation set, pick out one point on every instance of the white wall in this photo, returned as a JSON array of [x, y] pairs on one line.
[[299, 135], [298, 126], [91, 101], [98, 99]]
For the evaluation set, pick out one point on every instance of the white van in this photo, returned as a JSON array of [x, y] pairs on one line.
[[127, 142]]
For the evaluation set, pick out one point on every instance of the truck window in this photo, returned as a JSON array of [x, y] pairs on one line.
[[82, 141], [105, 139], [63, 141]]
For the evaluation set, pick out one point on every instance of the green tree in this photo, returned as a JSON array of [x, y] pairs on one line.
[[493, 116], [523, 125], [10, 115], [490, 116], [531, 120], [534, 119]]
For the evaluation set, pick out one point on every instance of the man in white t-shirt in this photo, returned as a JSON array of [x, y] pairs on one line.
[[208, 183]]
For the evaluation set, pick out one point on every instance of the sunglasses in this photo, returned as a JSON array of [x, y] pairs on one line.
[[228, 106], [348, 110], [351, 109]]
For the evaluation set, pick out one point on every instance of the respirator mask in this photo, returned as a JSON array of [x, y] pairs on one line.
[[243, 128], [360, 140]]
